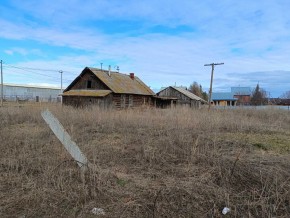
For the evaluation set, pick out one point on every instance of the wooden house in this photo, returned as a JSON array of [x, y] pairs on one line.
[[107, 89], [181, 96]]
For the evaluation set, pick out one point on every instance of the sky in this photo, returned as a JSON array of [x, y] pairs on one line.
[[164, 42]]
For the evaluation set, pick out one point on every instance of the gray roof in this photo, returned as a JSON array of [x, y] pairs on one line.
[[188, 94], [223, 96]]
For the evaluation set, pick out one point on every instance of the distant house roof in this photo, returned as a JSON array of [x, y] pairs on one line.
[[88, 93], [241, 90], [188, 94], [117, 82], [226, 96]]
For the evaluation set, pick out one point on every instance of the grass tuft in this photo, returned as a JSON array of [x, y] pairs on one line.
[[146, 163]]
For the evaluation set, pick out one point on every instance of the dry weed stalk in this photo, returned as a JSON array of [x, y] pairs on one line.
[[146, 163]]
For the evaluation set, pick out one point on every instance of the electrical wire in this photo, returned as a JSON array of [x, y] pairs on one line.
[[53, 77], [38, 69]]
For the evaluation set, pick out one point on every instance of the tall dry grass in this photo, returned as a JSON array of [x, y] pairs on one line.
[[146, 163]]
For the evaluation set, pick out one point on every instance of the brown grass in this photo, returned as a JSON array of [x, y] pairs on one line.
[[146, 163]]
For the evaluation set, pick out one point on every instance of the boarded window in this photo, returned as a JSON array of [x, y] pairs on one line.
[[89, 84], [123, 101], [130, 100]]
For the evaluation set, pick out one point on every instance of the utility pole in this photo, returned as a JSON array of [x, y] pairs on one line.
[[211, 80], [101, 66], [61, 83], [2, 90]]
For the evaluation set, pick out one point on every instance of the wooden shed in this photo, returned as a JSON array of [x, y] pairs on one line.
[[107, 89], [183, 96]]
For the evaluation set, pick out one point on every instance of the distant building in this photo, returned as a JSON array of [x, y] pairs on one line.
[[223, 99], [243, 94], [107, 89], [15, 92], [237, 96], [180, 96]]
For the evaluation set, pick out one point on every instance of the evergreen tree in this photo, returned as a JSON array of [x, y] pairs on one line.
[[258, 96]]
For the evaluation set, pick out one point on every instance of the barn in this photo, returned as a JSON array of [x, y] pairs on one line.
[[182, 96], [107, 89]]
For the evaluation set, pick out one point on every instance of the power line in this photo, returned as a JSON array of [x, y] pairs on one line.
[[50, 76], [38, 69], [29, 68]]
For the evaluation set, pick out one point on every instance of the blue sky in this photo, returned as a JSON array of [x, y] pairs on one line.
[[162, 42]]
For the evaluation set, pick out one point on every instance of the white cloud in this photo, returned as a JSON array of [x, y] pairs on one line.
[[247, 35]]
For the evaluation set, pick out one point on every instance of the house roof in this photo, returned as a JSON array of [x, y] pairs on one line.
[[117, 82], [241, 90], [88, 93], [122, 83], [188, 94], [223, 96]]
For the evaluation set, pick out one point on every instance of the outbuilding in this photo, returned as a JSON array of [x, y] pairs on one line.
[[181, 96]]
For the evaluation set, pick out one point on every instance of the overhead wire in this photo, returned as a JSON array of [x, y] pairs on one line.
[[37, 73], [39, 69]]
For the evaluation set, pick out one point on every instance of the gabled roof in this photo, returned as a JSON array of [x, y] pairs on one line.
[[88, 93], [122, 83], [241, 90], [117, 82], [223, 96], [188, 94]]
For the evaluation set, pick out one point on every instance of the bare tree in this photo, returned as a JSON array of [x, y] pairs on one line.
[[196, 89], [286, 95]]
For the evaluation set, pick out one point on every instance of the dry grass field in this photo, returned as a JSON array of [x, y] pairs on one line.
[[146, 163]]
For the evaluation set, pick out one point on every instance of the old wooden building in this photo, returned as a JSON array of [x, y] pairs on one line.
[[107, 89], [182, 96]]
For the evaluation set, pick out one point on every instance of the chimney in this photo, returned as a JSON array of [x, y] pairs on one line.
[[132, 75], [109, 72]]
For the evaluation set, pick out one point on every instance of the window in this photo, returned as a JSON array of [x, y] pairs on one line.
[[130, 100], [89, 84]]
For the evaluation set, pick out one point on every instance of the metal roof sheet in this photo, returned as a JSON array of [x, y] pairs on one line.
[[122, 83], [88, 93], [223, 96], [30, 86], [188, 94]]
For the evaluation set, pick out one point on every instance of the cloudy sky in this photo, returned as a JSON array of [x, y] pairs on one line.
[[163, 42]]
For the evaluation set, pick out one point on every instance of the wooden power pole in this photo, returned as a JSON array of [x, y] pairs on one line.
[[61, 84], [211, 80]]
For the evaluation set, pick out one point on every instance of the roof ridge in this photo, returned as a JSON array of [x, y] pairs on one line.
[[105, 71]]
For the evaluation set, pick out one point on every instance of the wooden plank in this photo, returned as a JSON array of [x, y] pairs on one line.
[[64, 138]]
